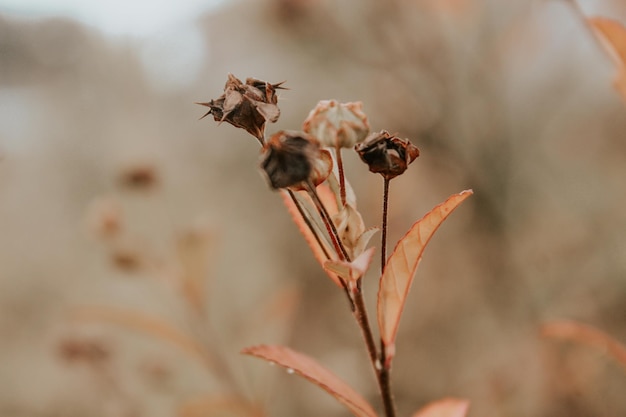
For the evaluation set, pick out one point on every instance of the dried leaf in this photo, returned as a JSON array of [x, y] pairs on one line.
[[351, 271], [612, 35], [147, 324], [402, 264], [447, 407], [318, 251], [586, 335], [308, 368]]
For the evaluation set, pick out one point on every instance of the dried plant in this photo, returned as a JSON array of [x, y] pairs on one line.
[[306, 166]]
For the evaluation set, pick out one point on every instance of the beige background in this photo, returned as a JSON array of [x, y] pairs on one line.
[[513, 100]]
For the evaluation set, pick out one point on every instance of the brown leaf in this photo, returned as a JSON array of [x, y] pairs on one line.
[[308, 368], [447, 407], [586, 335], [612, 35], [402, 264]]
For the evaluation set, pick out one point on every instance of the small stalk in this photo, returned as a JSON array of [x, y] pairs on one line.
[[342, 178], [384, 381], [382, 373], [319, 242], [308, 222], [383, 244], [328, 222]]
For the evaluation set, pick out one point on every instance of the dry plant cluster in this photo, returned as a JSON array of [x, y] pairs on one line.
[[323, 205], [308, 169]]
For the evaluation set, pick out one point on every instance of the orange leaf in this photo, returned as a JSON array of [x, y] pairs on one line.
[[309, 237], [586, 335], [447, 407], [612, 35], [401, 266], [308, 368]]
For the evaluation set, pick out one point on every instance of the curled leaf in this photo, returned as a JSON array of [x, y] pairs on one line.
[[586, 335], [350, 227], [351, 271], [447, 407], [308, 368], [399, 271], [612, 35]]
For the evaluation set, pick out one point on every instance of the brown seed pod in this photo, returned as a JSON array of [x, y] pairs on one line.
[[387, 154], [248, 106], [293, 159]]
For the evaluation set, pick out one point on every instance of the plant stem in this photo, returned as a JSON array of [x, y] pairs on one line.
[[342, 178], [384, 380], [308, 222], [328, 222], [359, 311], [382, 373], [383, 244]]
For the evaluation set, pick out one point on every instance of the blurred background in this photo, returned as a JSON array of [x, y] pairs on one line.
[[140, 249]]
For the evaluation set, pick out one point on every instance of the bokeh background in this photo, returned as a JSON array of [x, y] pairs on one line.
[[140, 249]]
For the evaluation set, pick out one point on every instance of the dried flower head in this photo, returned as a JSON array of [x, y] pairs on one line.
[[247, 106], [295, 159], [387, 154], [337, 124]]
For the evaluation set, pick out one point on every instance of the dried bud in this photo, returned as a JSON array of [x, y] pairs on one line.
[[247, 106], [294, 159], [351, 230], [337, 124], [386, 154]]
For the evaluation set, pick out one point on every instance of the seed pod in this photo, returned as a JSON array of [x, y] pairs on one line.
[[386, 154], [293, 160], [248, 106], [337, 124]]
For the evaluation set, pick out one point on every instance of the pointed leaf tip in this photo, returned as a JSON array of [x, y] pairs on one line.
[[351, 271], [401, 266], [309, 369]]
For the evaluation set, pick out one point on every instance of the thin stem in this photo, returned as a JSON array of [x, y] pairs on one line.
[[384, 381], [328, 222], [360, 314], [383, 244], [307, 221], [342, 178], [382, 374]]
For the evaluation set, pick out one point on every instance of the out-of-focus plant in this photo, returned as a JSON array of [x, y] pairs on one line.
[[187, 268], [306, 166]]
